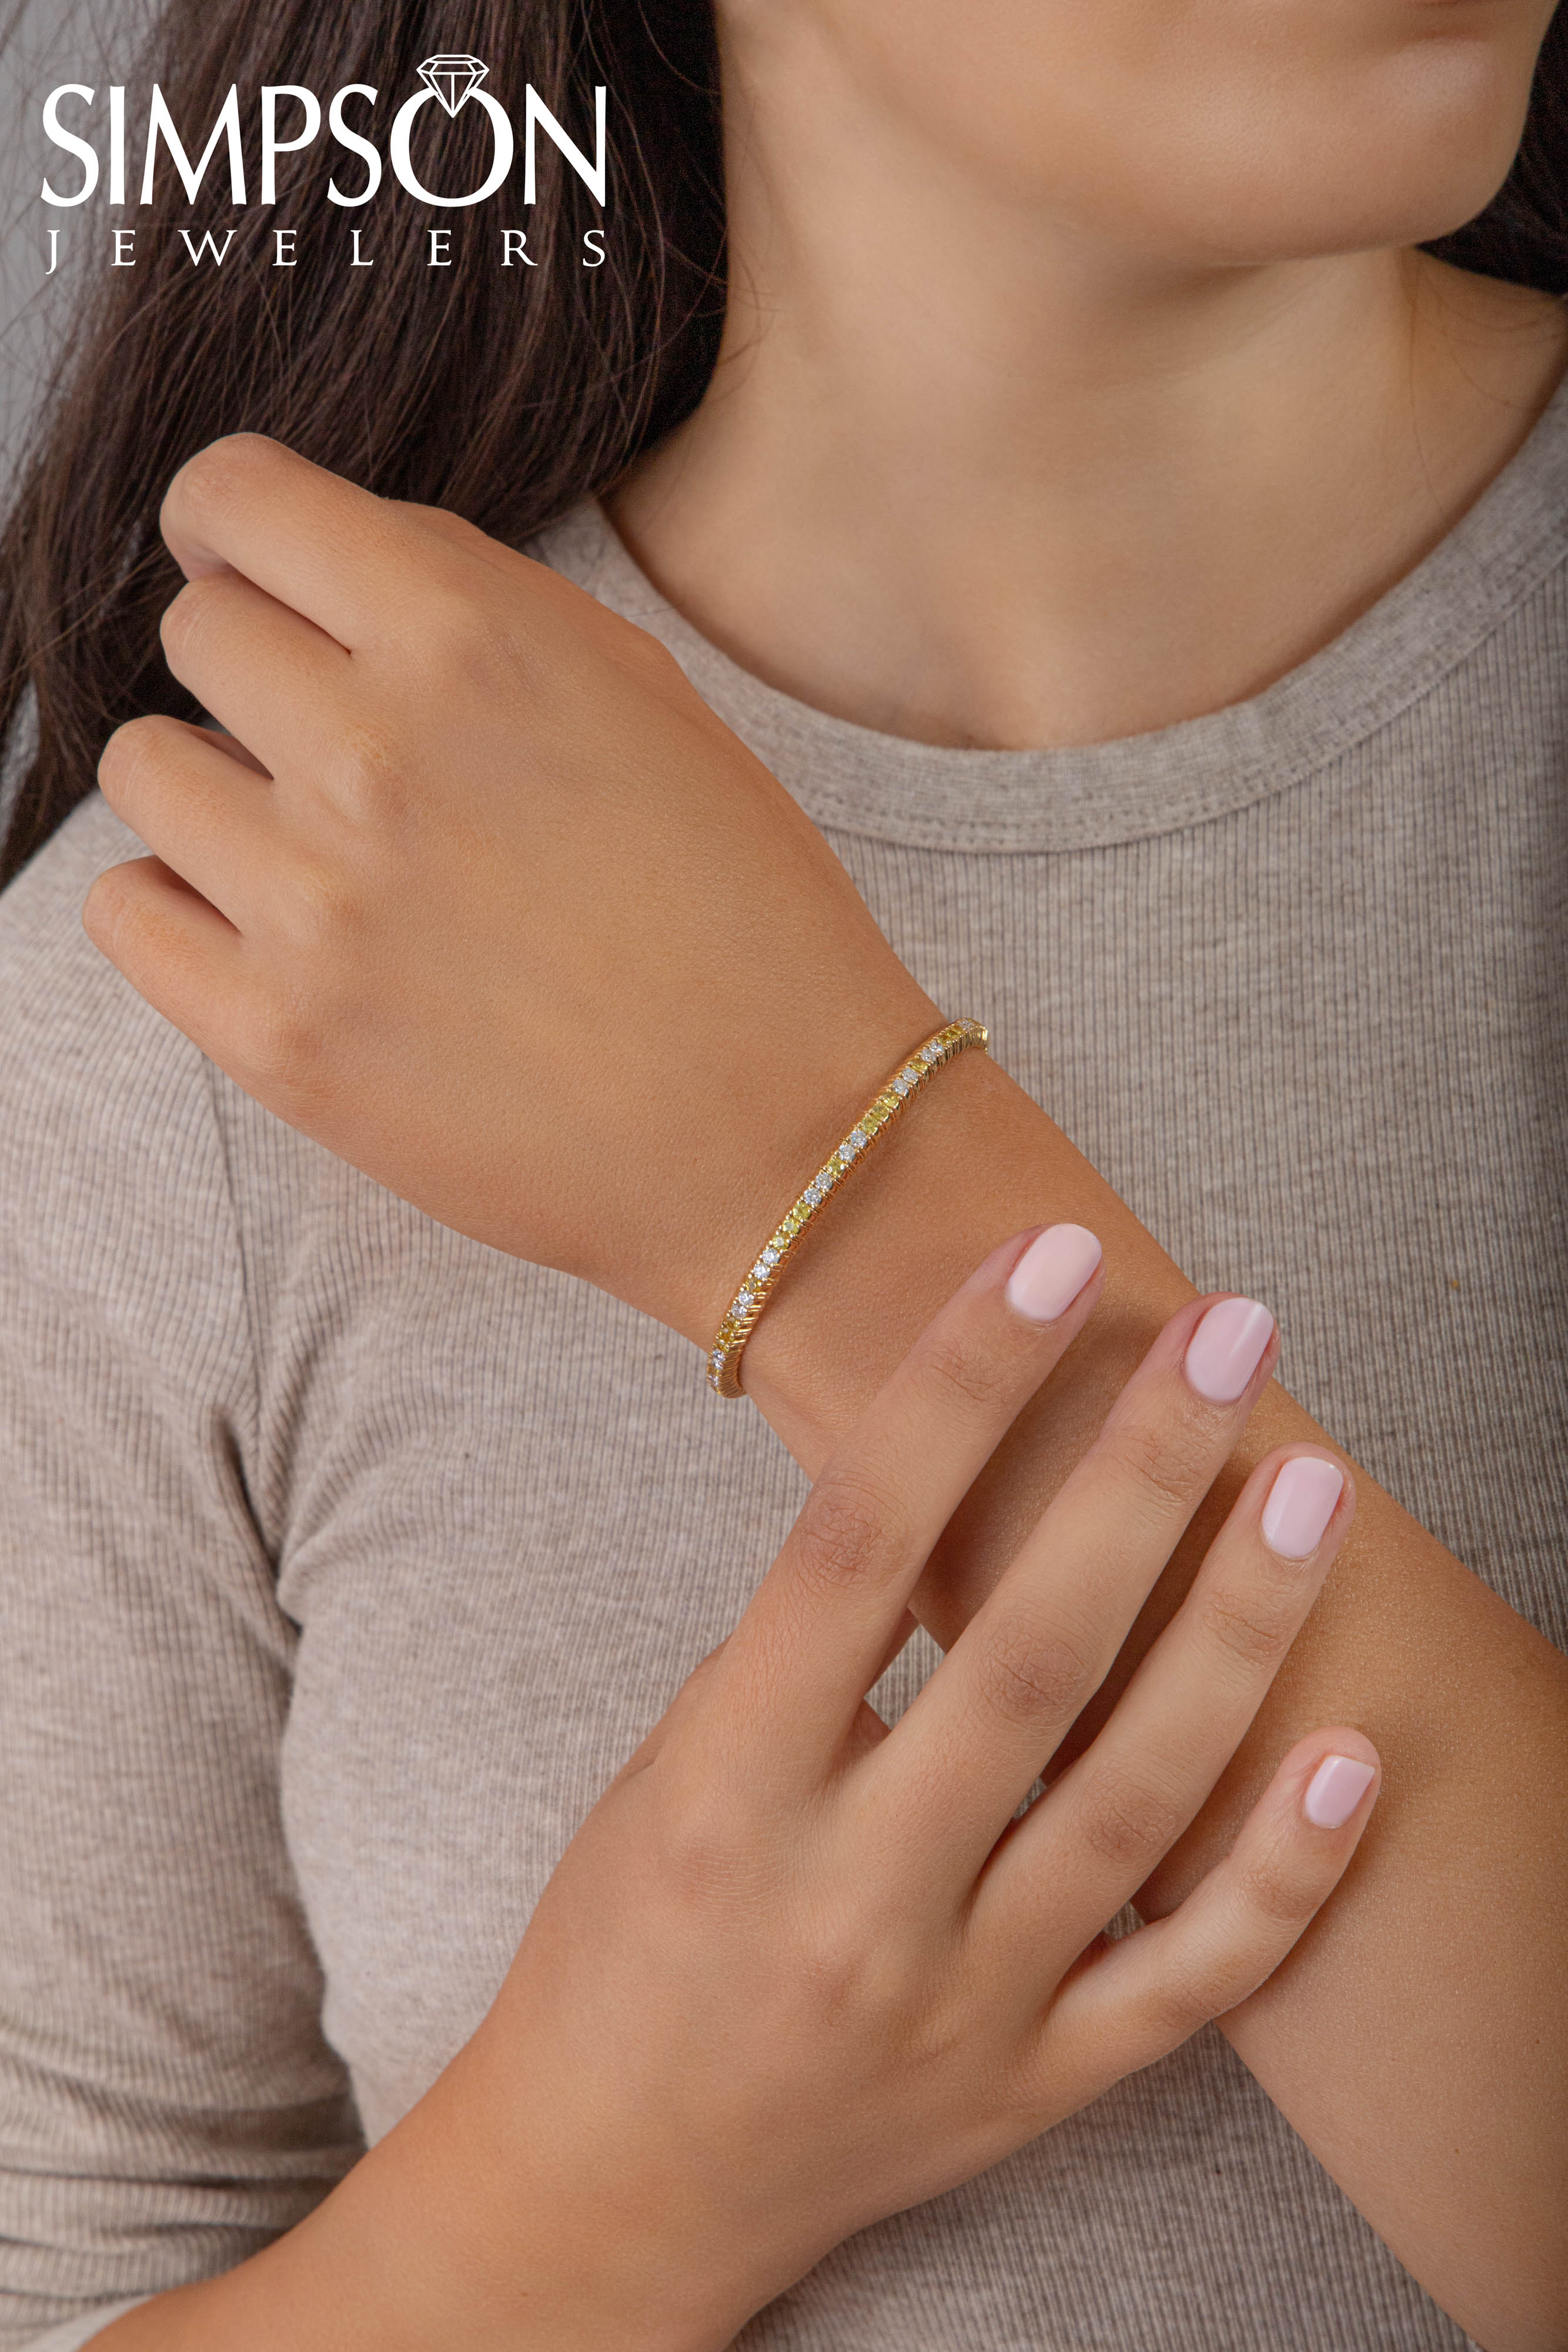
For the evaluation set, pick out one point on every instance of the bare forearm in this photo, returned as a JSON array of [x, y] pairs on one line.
[[1415, 2038], [454, 2234], [378, 2265]]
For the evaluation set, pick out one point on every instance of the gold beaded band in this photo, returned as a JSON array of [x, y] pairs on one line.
[[723, 1360]]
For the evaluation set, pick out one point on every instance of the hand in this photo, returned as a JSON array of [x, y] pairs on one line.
[[497, 910], [796, 1972]]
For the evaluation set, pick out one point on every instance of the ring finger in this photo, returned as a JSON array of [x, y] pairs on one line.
[[1089, 1843], [967, 1751]]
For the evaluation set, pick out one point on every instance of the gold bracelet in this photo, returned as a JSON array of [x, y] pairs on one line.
[[724, 1361]]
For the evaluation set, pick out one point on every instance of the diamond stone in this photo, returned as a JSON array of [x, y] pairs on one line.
[[453, 78], [770, 1257], [860, 1138]]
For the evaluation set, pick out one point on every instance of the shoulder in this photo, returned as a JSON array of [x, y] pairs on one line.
[[113, 1185], [49, 969]]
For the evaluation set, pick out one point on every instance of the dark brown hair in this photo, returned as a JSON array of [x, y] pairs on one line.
[[506, 394]]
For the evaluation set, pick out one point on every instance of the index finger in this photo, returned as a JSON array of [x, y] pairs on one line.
[[816, 1635], [314, 541]]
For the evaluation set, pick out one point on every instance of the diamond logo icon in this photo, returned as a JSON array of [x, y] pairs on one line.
[[453, 80]]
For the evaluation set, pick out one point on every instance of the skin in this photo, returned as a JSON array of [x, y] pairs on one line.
[[1157, 468], [780, 1914], [1081, 271]]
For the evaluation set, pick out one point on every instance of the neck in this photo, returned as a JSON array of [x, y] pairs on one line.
[[969, 474]]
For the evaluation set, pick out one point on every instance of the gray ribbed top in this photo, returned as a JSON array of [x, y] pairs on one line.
[[342, 1560]]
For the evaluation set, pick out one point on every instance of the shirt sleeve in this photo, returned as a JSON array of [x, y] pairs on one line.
[[167, 2102]]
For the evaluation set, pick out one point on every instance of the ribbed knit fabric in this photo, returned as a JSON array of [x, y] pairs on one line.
[[342, 1560]]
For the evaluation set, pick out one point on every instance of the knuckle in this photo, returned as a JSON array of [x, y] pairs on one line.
[[849, 1532], [699, 1860], [460, 639], [216, 480], [364, 771], [109, 910], [322, 903], [935, 2023], [1163, 1464], [1128, 1821], [1274, 1888], [189, 619], [640, 650], [705, 1665], [459, 634], [835, 1963], [1185, 1997], [952, 1368], [455, 528], [654, 668], [132, 924], [1031, 1674], [1244, 1626], [449, 610], [281, 1046], [129, 753], [703, 1856]]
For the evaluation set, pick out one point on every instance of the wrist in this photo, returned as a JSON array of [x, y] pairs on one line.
[[450, 2236], [582, 2231], [774, 1130], [973, 1161], [385, 2263]]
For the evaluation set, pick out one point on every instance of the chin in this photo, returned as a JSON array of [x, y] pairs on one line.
[[1392, 138], [1412, 154]]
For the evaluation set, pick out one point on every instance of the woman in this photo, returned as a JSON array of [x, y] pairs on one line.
[[1083, 388]]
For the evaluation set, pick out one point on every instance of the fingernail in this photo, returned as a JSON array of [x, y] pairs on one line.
[[1299, 1506], [1051, 1272], [1227, 1349], [1335, 1789]]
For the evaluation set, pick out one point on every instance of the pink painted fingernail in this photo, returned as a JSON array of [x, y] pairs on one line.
[[1301, 1505], [1335, 1789], [1051, 1272], [1227, 1349]]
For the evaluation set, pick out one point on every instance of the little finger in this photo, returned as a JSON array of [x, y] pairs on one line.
[[204, 811], [174, 947], [1133, 2000]]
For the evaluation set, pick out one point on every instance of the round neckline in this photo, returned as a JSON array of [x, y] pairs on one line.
[[853, 779]]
